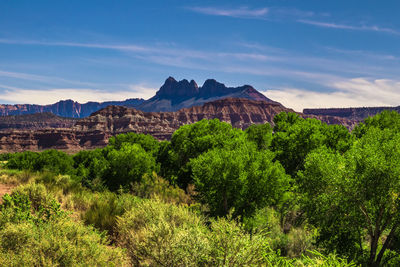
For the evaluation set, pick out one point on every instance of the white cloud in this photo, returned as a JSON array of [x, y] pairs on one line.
[[357, 92], [42, 97], [348, 27], [241, 12]]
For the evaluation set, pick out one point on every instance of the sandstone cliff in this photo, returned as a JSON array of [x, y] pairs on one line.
[[95, 130], [356, 114]]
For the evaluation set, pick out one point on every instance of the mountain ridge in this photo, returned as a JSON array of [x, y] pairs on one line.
[[353, 113], [172, 96], [64, 108], [95, 130]]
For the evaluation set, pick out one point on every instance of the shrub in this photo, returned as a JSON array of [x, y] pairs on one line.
[[15, 177], [104, 209], [50, 160], [159, 234], [36, 193], [33, 234], [22, 160], [231, 245], [153, 186], [59, 243]]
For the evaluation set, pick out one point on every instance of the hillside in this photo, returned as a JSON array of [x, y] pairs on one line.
[[35, 121], [95, 130], [357, 114]]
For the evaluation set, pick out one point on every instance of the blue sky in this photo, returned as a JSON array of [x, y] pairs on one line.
[[300, 53]]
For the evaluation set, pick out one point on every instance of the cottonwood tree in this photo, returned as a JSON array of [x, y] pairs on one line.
[[295, 137], [243, 179], [354, 198]]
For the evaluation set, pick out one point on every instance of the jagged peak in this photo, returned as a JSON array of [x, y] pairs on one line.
[[170, 79], [182, 89], [194, 84], [212, 82]]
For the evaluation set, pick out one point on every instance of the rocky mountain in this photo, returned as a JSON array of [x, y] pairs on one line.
[[174, 95], [65, 108], [95, 130], [356, 114]]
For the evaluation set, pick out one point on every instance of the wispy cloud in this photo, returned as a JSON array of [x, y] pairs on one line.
[[362, 53], [152, 50], [349, 27], [134, 48], [82, 95], [289, 14], [241, 12], [356, 92]]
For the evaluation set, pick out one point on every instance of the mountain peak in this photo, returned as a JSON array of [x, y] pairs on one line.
[[170, 79], [212, 88], [174, 95], [178, 90]]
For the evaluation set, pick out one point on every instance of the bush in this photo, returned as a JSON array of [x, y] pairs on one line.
[[37, 194], [22, 160], [34, 231], [59, 243], [104, 209], [231, 245], [160, 234], [15, 177], [153, 186], [49, 160]]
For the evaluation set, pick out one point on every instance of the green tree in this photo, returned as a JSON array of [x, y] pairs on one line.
[[128, 165], [190, 141], [49, 160], [22, 160], [243, 178], [384, 120], [355, 197], [90, 166], [147, 142], [295, 137], [260, 134]]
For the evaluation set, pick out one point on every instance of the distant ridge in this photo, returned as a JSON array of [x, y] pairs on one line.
[[356, 114], [65, 108], [172, 96]]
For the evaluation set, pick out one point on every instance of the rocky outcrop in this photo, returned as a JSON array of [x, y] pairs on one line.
[[35, 121], [95, 130], [355, 114]]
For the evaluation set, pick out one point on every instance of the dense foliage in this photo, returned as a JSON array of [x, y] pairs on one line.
[[302, 193]]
